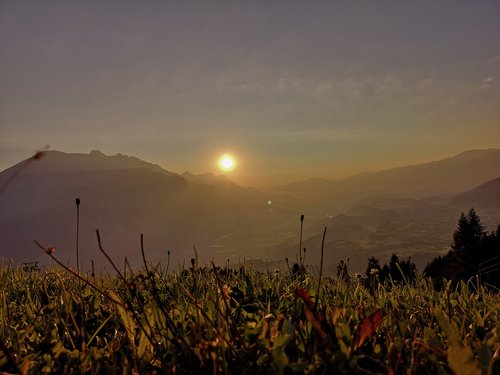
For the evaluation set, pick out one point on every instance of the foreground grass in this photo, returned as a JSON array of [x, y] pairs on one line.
[[209, 320]]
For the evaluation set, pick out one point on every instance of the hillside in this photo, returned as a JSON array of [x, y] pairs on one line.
[[60, 162], [381, 225], [486, 195], [123, 197], [448, 176]]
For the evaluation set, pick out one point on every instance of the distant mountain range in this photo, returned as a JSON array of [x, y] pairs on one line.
[[447, 176], [410, 210], [382, 225]]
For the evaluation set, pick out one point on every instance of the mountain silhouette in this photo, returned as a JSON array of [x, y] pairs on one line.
[[483, 196], [120, 195], [383, 224], [448, 176], [409, 210]]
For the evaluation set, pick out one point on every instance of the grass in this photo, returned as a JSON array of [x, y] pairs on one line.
[[220, 320]]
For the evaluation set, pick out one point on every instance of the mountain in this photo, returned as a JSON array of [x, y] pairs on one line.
[[222, 184], [381, 225], [371, 214], [122, 196], [60, 162], [484, 196], [448, 176]]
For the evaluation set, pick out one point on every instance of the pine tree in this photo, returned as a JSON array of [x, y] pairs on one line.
[[467, 251], [467, 243], [469, 234]]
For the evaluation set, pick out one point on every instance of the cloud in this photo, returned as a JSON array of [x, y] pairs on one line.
[[494, 61], [487, 82]]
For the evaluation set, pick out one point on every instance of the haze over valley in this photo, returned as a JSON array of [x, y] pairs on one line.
[[411, 210]]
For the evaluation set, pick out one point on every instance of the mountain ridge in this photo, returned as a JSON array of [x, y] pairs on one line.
[[418, 180], [381, 225], [94, 160], [124, 196]]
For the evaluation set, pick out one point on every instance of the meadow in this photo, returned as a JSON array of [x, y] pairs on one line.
[[207, 319]]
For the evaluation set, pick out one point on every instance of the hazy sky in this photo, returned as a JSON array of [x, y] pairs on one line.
[[294, 89]]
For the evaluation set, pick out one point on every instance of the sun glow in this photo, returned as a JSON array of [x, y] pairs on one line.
[[226, 163]]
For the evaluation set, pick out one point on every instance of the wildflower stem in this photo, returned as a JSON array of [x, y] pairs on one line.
[[320, 270]]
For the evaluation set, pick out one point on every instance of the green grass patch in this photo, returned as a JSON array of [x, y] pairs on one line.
[[213, 320]]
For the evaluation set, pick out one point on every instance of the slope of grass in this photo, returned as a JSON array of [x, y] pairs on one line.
[[213, 320]]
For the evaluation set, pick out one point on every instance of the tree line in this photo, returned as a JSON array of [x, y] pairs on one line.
[[474, 252]]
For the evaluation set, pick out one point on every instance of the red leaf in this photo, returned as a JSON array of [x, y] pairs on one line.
[[369, 326], [311, 316], [304, 295]]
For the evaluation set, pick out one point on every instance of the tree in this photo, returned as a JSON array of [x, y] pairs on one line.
[[385, 273], [399, 270], [408, 270], [467, 243], [469, 233], [472, 251], [394, 268]]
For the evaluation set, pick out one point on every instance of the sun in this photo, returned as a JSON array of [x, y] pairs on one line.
[[226, 163]]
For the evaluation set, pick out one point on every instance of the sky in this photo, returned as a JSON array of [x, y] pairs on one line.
[[292, 89]]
